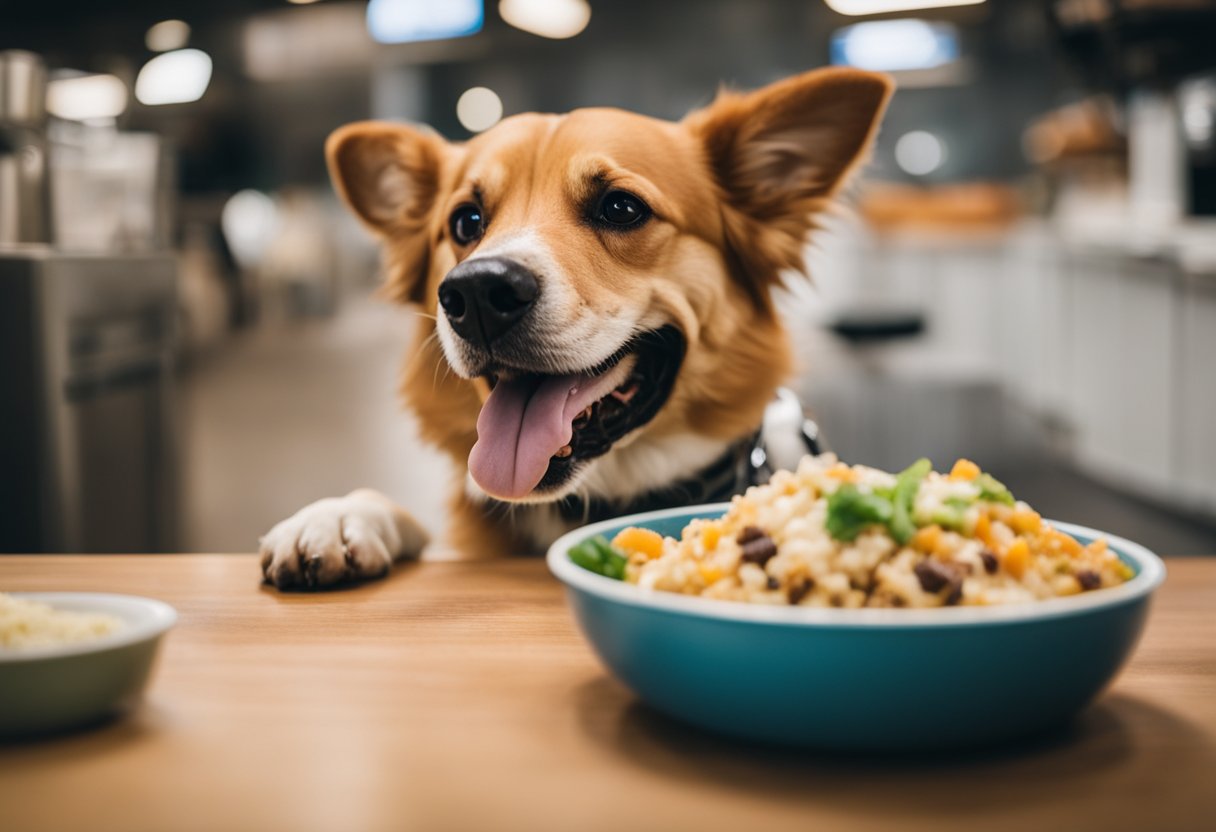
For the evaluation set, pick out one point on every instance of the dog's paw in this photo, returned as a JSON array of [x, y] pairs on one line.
[[340, 539]]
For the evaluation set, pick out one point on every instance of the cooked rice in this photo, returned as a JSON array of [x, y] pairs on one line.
[[27, 624]]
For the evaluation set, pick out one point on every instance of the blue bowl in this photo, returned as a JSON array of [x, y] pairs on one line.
[[858, 680]]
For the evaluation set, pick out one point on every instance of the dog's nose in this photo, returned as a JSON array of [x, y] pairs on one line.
[[486, 296]]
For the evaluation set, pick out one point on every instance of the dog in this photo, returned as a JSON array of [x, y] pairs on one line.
[[599, 332]]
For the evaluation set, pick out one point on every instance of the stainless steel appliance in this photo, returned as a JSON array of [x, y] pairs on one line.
[[87, 444], [24, 208]]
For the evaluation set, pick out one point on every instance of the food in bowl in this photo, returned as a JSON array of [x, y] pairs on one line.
[[855, 679], [28, 624], [82, 656], [835, 535]]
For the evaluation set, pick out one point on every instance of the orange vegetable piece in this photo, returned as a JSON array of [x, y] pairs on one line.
[[1068, 544], [841, 472], [636, 539], [964, 469], [711, 533], [927, 538], [1025, 521], [1017, 558], [983, 530]]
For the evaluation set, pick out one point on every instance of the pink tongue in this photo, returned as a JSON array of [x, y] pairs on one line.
[[525, 422]]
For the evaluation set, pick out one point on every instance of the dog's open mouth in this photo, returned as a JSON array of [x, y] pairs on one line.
[[535, 429]]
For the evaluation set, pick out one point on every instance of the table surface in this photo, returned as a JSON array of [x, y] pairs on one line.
[[460, 696]]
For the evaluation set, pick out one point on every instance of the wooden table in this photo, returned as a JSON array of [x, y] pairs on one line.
[[460, 697]]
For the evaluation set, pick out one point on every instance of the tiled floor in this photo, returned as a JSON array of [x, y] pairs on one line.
[[288, 414]]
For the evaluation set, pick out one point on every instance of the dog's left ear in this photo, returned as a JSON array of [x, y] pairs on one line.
[[780, 154]]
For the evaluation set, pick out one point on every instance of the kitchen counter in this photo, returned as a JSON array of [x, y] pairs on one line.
[[460, 696]]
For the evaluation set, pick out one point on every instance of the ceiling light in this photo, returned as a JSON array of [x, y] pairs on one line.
[[895, 45], [167, 35], [859, 7], [301, 2], [174, 77], [919, 152], [405, 21], [548, 18], [479, 109], [86, 97], [1197, 99]]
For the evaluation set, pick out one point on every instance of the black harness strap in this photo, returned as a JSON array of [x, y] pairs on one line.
[[744, 464], [728, 475]]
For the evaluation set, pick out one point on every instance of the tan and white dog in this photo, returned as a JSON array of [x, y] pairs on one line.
[[599, 325]]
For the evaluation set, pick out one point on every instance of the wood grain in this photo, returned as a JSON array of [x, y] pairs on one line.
[[460, 696]]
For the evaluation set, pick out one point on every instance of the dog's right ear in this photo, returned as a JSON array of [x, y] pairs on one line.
[[780, 154], [389, 175]]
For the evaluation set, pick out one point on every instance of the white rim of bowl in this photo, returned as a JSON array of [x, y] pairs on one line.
[[160, 617], [1150, 573]]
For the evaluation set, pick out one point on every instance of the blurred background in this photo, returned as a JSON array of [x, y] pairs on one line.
[[191, 350]]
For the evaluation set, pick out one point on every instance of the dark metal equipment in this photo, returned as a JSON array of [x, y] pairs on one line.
[[24, 209], [87, 452]]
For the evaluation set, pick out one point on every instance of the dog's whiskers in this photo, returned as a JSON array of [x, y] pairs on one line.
[[434, 336], [585, 494], [435, 377]]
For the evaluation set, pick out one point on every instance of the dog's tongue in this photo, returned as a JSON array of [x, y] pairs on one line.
[[526, 421]]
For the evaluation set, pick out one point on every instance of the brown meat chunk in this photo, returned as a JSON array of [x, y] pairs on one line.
[[749, 534], [799, 589], [934, 576], [758, 547], [1088, 579]]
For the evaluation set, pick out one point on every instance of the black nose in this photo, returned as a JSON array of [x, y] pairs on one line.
[[486, 296]]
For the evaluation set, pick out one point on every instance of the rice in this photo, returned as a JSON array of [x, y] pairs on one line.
[[833, 535], [27, 624]]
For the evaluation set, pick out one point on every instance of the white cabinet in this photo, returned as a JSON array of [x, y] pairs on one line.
[[1029, 315], [1120, 399], [1116, 348], [1196, 391]]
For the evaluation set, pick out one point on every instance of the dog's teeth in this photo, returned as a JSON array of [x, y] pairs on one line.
[[564, 451], [624, 395]]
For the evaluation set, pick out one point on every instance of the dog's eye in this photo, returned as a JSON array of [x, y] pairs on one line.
[[620, 208], [467, 224]]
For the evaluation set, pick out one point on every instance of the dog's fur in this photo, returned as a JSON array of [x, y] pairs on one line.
[[735, 190]]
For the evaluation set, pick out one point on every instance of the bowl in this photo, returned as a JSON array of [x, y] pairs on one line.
[[858, 679], [55, 688]]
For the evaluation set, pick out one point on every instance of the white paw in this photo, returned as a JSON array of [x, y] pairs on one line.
[[339, 539]]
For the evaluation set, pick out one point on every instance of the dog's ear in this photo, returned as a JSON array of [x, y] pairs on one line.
[[780, 154], [389, 175]]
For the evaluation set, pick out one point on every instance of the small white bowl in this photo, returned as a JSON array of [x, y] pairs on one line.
[[46, 689]]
